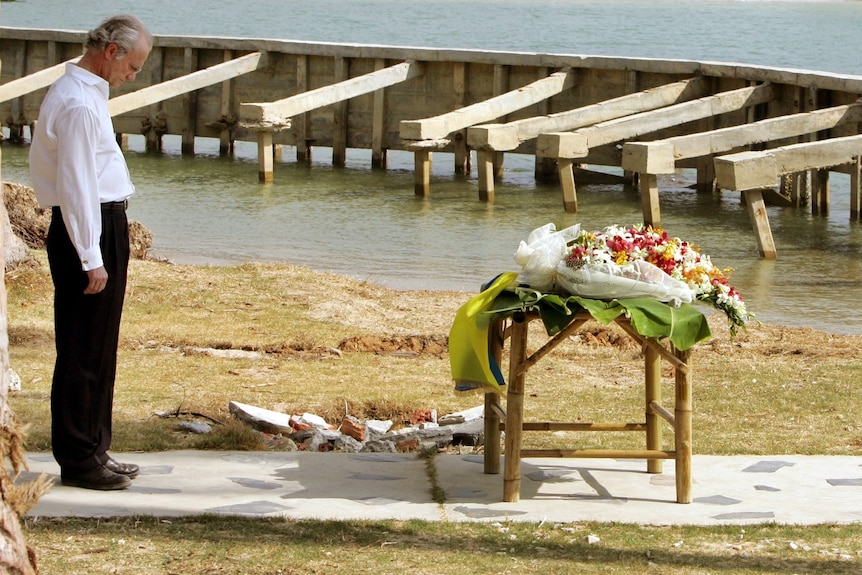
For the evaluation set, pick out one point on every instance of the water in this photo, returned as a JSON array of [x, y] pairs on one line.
[[817, 35], [368, 224]]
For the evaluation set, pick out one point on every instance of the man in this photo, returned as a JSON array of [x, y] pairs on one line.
[[79, 171]]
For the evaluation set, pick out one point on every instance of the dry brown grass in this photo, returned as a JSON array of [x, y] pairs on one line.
[[224, 545], [333, 346]]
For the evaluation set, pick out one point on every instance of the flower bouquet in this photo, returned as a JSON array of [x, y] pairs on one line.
[[628, 262]]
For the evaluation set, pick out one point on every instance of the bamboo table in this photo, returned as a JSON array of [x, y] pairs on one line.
[[515, 330]]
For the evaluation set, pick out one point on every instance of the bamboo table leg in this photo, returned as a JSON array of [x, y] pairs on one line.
[[682, 428], [652, 378], [492, 434], [492, 403], [515, 409]]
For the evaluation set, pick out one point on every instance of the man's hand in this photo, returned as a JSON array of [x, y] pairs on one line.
[[98, 278]]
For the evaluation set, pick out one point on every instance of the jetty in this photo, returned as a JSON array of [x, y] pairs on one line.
[[772, 134]]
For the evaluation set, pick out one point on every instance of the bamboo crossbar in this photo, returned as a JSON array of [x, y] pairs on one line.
[[498, 409], [654, 345], [507, 331], [662, 412], [600, 453], [586, 426], [554, 341]]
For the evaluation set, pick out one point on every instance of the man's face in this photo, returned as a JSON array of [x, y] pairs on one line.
[[127, 66]]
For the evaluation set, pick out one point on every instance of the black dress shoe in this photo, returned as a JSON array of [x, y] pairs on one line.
[[130, 470], [100, 478]]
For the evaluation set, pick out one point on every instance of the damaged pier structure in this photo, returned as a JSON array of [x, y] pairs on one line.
[[766, 132]]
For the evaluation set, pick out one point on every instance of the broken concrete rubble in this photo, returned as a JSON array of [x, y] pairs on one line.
[[309, 432], [465, 416], [377, 426], [198, 427], [261, 419], [309, 420]]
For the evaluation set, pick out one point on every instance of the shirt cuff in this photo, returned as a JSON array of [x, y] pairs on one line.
[[91, 259]]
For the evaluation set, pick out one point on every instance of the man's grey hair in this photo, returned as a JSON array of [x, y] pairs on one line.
[[122, 30]]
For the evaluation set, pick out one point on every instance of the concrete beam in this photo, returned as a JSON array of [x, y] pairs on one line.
[[276, 115], [184, 84], [577, 144], [32, 82], [751, 170], [487, 110], [760, 222], [504, 137], [662, 154], [649, 157], [746, 171]]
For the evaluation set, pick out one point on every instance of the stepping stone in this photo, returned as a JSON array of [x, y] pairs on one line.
[[767, 466], [255, 483], [746, 515], [852, 482], [250, 508], [717, 500]]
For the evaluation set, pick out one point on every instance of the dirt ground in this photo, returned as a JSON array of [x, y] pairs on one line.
[[399, 315]]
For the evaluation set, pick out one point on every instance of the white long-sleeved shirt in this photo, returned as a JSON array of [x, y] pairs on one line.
[[75, 161]]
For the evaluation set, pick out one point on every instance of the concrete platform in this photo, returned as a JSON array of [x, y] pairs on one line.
[[788, 489]]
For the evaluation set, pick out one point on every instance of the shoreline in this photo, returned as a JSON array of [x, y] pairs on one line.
[[451, 300], [30, 224], [330, 345]]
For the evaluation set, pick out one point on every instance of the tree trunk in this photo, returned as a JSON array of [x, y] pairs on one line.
[[16, 558]]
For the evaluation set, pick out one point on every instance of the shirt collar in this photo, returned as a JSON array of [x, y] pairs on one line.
[[88, 77]]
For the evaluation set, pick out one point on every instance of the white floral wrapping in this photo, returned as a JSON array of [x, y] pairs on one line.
[[629, 262], [539, 255], [612, 281]]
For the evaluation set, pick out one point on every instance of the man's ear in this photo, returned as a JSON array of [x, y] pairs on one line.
[[112, 51]]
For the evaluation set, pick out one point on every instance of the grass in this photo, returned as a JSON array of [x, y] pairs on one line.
[[221, 545], [771, 390]]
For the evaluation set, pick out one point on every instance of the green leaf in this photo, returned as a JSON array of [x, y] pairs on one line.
[[603, 311], [684, 325]]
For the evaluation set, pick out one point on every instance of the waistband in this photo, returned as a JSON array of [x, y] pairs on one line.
[[119, 206], [109, 207]]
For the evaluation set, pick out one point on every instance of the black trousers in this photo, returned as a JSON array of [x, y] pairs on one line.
[[86, 329]]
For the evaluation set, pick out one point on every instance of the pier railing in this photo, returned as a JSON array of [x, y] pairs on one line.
[[645, 116]]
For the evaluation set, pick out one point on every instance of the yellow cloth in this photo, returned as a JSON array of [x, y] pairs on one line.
[[469, 355]]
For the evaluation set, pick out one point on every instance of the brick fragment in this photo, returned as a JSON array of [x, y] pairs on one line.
[[423, 416], [408, 445], [354, 428]]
